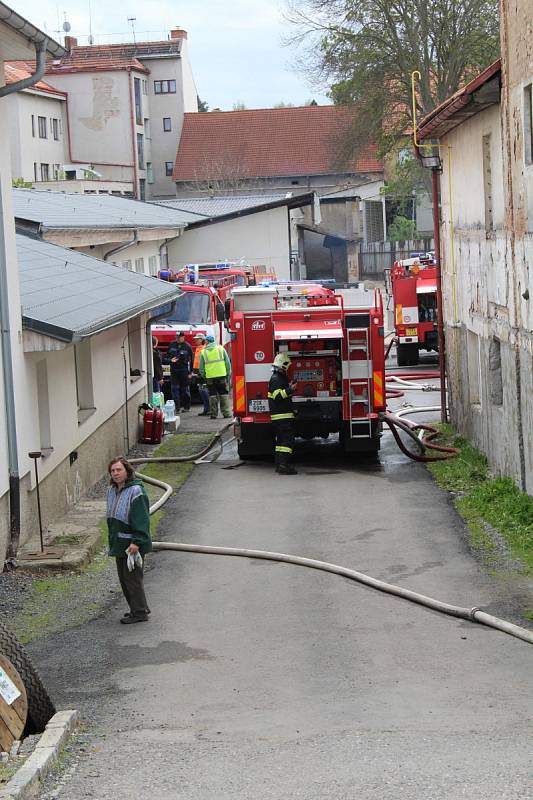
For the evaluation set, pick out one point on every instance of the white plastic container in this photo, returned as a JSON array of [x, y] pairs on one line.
[[169, 410]]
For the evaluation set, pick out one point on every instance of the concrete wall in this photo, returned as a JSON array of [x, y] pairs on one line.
[[297, 184], [261, 238], [27, 149]]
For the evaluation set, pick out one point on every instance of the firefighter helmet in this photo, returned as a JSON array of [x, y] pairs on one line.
[[282, 361]]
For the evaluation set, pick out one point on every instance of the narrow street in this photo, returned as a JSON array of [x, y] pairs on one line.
[[261, 680]]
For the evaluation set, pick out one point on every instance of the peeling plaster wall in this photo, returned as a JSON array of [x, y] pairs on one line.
[[484, 301]]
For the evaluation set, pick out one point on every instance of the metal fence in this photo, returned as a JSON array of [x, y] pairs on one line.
[[375, 257]]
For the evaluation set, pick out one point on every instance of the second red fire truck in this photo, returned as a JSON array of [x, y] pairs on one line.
[[335, 340], [413, 283]]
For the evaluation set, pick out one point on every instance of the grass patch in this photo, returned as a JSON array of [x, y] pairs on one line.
[[486, 502], [58, 601], [7, 772]]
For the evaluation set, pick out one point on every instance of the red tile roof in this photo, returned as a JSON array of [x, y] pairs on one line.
[[112, 56], [266, 143], [18, 70]]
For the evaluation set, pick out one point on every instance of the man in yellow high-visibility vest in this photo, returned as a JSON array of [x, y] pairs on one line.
[[215, 369]]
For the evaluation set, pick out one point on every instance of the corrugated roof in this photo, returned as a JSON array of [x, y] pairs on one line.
[[477, 95], [268, 142], [63, 210], [217, 206], [18, 70], [68, 295]]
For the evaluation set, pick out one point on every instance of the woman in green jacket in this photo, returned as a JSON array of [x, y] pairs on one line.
[[128, 524]]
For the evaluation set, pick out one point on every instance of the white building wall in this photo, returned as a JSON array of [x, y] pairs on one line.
[[259, 239], [28, 148], [99, 113], [136, 252]]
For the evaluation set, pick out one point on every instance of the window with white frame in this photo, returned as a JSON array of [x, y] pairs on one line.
[[33, 125], [35, 171], [55, 129], [164, 87], [167, 124], [42, 125], [84, 379], [45, 172], [152, 265], [149, 172], [139, 265]]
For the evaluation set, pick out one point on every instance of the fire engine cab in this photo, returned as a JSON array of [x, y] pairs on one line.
[[413, 284], [335, 340]]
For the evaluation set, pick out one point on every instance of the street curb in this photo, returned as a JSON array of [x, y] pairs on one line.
[[25, 784]]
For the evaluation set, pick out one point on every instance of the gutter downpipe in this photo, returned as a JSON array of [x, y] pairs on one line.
[[440, 315], [5, 332], [123, 246]]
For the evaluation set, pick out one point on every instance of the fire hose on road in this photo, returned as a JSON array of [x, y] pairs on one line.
[[474, 614]]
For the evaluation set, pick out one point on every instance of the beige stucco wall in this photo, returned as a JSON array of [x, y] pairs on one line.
[[141, 250], [261, 238], [27, 149]]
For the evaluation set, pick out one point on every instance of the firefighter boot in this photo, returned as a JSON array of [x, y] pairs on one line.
[[225, 405], [213, 407], [282, 465]]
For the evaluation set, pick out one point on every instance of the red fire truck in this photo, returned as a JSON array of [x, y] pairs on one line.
[[335, 340], [414, 295]]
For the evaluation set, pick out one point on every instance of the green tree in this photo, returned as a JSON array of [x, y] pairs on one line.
[[238, 107], [401, 229], [202, 105], [366, 51]]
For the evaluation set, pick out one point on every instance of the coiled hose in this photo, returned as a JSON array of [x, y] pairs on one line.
[[471, 614]]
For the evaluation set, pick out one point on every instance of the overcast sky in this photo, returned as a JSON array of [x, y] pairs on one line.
[[235, 45]]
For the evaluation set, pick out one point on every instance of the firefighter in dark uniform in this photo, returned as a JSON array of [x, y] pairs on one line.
[[281, 413]]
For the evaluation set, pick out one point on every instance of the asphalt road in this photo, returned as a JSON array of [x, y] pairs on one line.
[[260, 680]]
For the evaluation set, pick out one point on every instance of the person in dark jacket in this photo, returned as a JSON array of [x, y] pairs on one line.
[[158, 367], [128, 525], [180, 357], [281, 413]]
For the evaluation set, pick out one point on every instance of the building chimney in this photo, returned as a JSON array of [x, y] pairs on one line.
[[178, 33], [70, 42]]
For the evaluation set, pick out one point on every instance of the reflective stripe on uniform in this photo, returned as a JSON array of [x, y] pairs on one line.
[[289, 415], [276, 392], [281, 449]]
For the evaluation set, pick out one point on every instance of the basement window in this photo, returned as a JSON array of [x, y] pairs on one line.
[[473, 366], [84, 380], [495, 373]]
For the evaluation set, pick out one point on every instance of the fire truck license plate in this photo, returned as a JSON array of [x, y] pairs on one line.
[[411, 331], [258, 406]]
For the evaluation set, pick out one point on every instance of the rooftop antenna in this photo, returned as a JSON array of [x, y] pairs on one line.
[[91, 37], [132, 21]]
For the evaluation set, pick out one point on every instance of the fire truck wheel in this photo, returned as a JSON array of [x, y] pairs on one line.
[[40, 707], [402, 358]]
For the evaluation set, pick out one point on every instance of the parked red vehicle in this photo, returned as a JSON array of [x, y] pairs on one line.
[[414, 295], [335, 340]]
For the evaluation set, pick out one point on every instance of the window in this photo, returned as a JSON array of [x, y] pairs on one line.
[[528, 125], [135, 348], [35, 171], [149, 172], [473, 366], [140, 150], [84, 379], [152, 265], [56, 171], [33, 125], [495, 373], [42, 124], [139, 265], [147, 128], [487, 183], [138, 101], [55, 129], [45, 172], [145, 87], [126, 264], [164, 87], [142, 189], [167, 124], [169, 166], [43, 405]]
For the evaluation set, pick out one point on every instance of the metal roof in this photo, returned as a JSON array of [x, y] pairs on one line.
[[217, 206], [72, 210], [69, 296]]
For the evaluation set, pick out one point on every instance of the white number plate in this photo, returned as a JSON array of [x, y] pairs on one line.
[[258, 406], [166, 369]]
